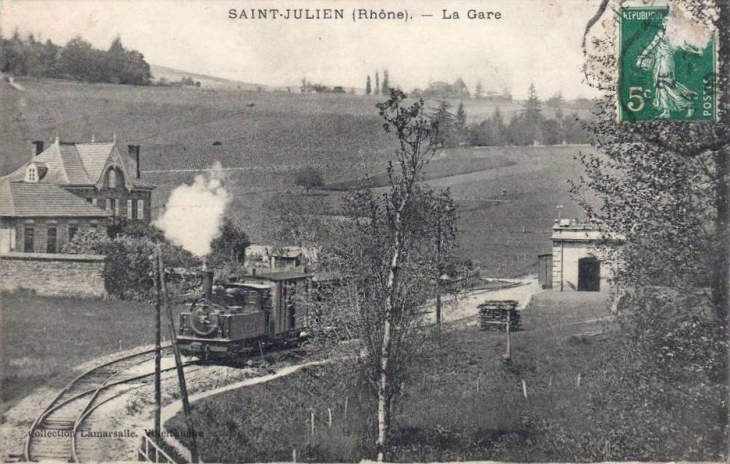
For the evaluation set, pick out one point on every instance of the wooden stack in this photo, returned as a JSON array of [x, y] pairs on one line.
[[496, 313]]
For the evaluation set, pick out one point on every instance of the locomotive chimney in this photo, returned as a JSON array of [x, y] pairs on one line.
[[207, 280]]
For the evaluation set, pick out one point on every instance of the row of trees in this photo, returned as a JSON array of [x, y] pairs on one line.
[[77, 60], [309, 87], [530, 127], [379, 89]]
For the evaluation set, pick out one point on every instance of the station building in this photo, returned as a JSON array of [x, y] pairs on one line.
[[577, 260]]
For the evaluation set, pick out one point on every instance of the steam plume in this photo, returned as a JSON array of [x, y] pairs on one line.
[[194, 213]]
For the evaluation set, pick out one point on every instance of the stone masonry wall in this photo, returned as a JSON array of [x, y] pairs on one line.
[[53, 274]]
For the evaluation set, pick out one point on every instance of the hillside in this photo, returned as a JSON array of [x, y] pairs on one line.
[[174, 75], [264, 138]]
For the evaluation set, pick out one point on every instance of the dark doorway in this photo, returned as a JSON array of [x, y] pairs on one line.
[[589, 275], [292, 317]]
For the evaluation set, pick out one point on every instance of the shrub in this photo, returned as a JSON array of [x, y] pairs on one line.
[[309, 178], [129, 248]]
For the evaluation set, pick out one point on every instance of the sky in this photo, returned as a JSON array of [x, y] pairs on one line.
[[534, 41]]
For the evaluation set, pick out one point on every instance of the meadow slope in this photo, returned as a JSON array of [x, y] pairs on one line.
[[263, 139]]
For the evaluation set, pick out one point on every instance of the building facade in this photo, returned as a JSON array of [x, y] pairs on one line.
[[68, 187], [577, 263]]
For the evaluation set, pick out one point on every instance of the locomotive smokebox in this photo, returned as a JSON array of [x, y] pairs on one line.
[[207, 273]]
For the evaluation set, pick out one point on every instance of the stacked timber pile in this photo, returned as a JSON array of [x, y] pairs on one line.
[[496, 314]]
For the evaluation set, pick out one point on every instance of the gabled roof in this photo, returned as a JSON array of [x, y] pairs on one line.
[[80, 164], [94, 157], [22, 199]]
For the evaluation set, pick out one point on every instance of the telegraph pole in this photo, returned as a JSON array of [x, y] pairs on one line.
[[158, 348], [178, 361]]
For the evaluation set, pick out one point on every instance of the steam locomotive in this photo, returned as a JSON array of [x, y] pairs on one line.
[[235, 317]]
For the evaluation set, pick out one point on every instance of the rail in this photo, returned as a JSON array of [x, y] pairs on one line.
[[58, 402]]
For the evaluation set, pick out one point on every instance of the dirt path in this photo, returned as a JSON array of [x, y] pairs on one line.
[[465, 306]]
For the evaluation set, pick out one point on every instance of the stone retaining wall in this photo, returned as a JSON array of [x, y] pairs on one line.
[[53, 274]]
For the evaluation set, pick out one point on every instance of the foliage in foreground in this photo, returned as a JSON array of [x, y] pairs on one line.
[[664, 190]]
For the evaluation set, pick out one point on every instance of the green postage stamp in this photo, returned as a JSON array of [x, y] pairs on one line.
[[667, 66]]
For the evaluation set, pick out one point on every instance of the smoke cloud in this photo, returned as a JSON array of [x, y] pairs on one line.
[[194, 213]]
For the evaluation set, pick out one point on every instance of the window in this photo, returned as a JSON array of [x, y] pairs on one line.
[[112, 178], [51, 237], [108, 205], [116, 207], [130, 214], [28, 239], [140, 209], [94, 202], [31, 174], [72, 229]]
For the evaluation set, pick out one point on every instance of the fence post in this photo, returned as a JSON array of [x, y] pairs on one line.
[[329, 414], [524, 388], [346, 398], [508, 355], [312, 419]]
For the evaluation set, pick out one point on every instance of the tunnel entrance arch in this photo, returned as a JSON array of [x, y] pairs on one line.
[[589, 275]]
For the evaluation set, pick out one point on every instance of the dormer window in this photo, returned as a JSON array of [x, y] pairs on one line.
[[31, 173]]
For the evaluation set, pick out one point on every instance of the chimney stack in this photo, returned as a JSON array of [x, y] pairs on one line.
[[207, 280], [134, 153], [37, 147]]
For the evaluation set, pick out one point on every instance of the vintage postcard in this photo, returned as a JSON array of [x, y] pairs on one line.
[[383, 230]]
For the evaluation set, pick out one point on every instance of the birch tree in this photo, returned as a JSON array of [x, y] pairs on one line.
[[389, 260]]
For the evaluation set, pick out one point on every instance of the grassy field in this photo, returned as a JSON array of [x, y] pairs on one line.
[[43, 338], [265, 138], [444, 415]]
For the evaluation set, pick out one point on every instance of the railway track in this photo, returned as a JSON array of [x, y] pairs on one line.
[[59, 432]]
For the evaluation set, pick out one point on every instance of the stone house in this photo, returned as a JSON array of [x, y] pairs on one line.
[[67, 187], [577, 257]]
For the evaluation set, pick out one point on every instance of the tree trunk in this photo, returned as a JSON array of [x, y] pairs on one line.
[[383, 393], [383, 416]]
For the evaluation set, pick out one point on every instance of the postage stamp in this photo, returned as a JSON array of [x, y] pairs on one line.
[[668, 67]]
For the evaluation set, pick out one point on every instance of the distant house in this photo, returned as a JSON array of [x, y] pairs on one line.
[[271, 258], [67, 187]]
